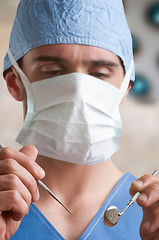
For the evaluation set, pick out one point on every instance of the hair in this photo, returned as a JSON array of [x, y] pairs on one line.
[[20, 62]]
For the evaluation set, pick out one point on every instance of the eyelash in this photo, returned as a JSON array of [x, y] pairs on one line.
[[53, 73], [100, 75]]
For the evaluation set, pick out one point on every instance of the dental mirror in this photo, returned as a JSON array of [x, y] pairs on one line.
[[112, 214]]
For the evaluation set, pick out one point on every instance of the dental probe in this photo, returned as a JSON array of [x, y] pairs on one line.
[[47, 189]]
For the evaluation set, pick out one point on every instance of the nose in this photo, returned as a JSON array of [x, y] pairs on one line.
[[78, 68]]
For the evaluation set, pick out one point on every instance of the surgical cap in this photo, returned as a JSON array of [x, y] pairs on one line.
[[100, 23]]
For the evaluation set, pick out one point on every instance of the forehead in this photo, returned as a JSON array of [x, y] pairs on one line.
[[73, 52]]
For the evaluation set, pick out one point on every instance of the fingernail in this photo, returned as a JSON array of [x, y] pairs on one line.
[[138, 182], [143, 197], [37, 195], [41, 172]]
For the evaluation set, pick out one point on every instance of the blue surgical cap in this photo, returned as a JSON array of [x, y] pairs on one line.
[[100, 23]]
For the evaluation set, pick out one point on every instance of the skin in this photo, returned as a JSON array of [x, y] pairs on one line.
[[75, 185], [149, 201]]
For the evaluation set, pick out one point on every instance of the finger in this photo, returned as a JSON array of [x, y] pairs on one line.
[[149, 196], [13, 201], [8, 226], [28, 162], [140, 184], [12, 182], [154, 236], [149, 230], [2, 228], [30, 151], [13, 171], [150, 222]]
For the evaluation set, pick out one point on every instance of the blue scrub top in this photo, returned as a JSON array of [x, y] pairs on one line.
[[36, 226]]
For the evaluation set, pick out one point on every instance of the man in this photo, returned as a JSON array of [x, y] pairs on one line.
[[72, 58]]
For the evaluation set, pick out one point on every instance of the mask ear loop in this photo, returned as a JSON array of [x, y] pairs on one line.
[[27, 84], [125, 83], [15, 64]]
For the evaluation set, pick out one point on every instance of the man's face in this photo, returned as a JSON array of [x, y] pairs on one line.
[[59, 59]]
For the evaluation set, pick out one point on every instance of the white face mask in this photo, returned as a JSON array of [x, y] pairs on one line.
[[73, 117]]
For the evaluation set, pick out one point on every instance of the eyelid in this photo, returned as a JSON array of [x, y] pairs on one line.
[[52, 67], [53, 73], [101, 76], [102, 69]]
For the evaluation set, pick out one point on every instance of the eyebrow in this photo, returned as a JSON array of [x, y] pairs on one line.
[[49, 59], [103, 63]]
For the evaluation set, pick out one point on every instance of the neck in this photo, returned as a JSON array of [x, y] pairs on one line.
[[70, 181]]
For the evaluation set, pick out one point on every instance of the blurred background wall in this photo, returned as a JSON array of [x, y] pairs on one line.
[[139, 152]]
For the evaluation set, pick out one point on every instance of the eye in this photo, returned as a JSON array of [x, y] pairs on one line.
[[99, 75], [49, 70], [53, 73]]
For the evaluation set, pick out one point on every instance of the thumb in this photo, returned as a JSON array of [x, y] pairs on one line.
[[30, 151]]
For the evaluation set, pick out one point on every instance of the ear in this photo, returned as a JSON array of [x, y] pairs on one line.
[[129, 87], [14, 84]]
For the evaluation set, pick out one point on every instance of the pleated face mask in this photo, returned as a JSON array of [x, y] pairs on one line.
[[73, 118]]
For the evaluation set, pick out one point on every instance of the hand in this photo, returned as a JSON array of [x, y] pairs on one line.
[[149, 201], [18, 187]]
